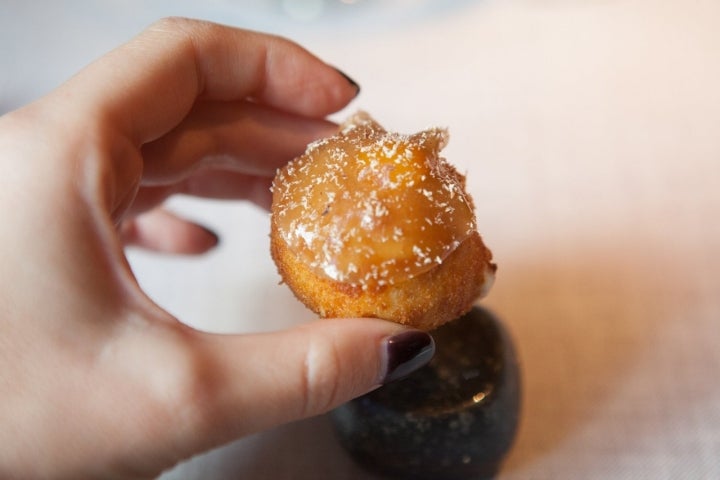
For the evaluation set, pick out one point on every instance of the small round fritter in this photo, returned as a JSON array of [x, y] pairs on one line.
[[369, 223]]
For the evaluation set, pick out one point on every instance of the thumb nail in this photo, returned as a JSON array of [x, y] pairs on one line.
[[405, 353]]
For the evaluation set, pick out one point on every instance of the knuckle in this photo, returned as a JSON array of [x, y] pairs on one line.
[[183, 388], [180, 29], [171, 23], [322, 374]]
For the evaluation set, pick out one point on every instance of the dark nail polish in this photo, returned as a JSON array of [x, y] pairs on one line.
[[406, 352], [455, 418], [350, 81]]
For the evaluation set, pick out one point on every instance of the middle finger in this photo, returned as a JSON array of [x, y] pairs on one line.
[[240, 136]]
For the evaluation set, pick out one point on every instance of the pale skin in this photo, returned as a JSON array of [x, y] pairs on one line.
[[97, 381]]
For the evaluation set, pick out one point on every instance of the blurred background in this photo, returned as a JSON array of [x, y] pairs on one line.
[[590, 135]]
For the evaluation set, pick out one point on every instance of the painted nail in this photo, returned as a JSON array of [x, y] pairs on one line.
[[350, 81], [454, 419], [407, 352]]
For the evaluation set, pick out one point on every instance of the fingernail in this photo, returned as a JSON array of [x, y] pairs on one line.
[[407, 352], [350, 81]]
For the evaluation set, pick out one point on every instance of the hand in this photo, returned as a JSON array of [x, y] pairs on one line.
[[95, 379]]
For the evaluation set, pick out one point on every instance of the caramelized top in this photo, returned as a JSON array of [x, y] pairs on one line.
[[370, 208]]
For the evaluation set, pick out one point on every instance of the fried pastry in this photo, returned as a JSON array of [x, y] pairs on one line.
[[369, 223]]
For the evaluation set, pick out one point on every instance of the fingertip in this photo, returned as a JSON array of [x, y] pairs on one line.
[[345, 91], [298, 81], [353, 84], [277, 377], [160, 231], [191, 239], [209, 240]]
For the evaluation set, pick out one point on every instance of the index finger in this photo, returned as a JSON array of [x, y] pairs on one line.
[[148, 85]]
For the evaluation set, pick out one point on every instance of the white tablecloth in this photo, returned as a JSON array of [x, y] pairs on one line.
[[590, 134]]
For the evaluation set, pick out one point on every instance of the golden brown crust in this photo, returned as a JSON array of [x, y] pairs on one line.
[[370, 223], [426, 302]]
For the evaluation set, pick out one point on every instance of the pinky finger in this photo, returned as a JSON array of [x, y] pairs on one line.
[[161, 231]]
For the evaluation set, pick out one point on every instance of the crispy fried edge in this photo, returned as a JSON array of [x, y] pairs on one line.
[[425, 302]]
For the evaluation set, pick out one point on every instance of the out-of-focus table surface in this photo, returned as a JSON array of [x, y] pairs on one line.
[[590, 135]]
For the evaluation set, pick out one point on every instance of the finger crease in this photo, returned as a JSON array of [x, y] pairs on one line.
[[320, 378]]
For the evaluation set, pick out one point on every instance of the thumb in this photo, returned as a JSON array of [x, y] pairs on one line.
[[264, 380]]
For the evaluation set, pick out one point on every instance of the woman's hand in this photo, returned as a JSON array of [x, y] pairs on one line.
[[95, 379]]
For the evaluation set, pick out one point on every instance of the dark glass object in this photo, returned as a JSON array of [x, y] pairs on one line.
[[455, 418]]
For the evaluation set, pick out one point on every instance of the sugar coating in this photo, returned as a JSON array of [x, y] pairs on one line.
[[371, 208]]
